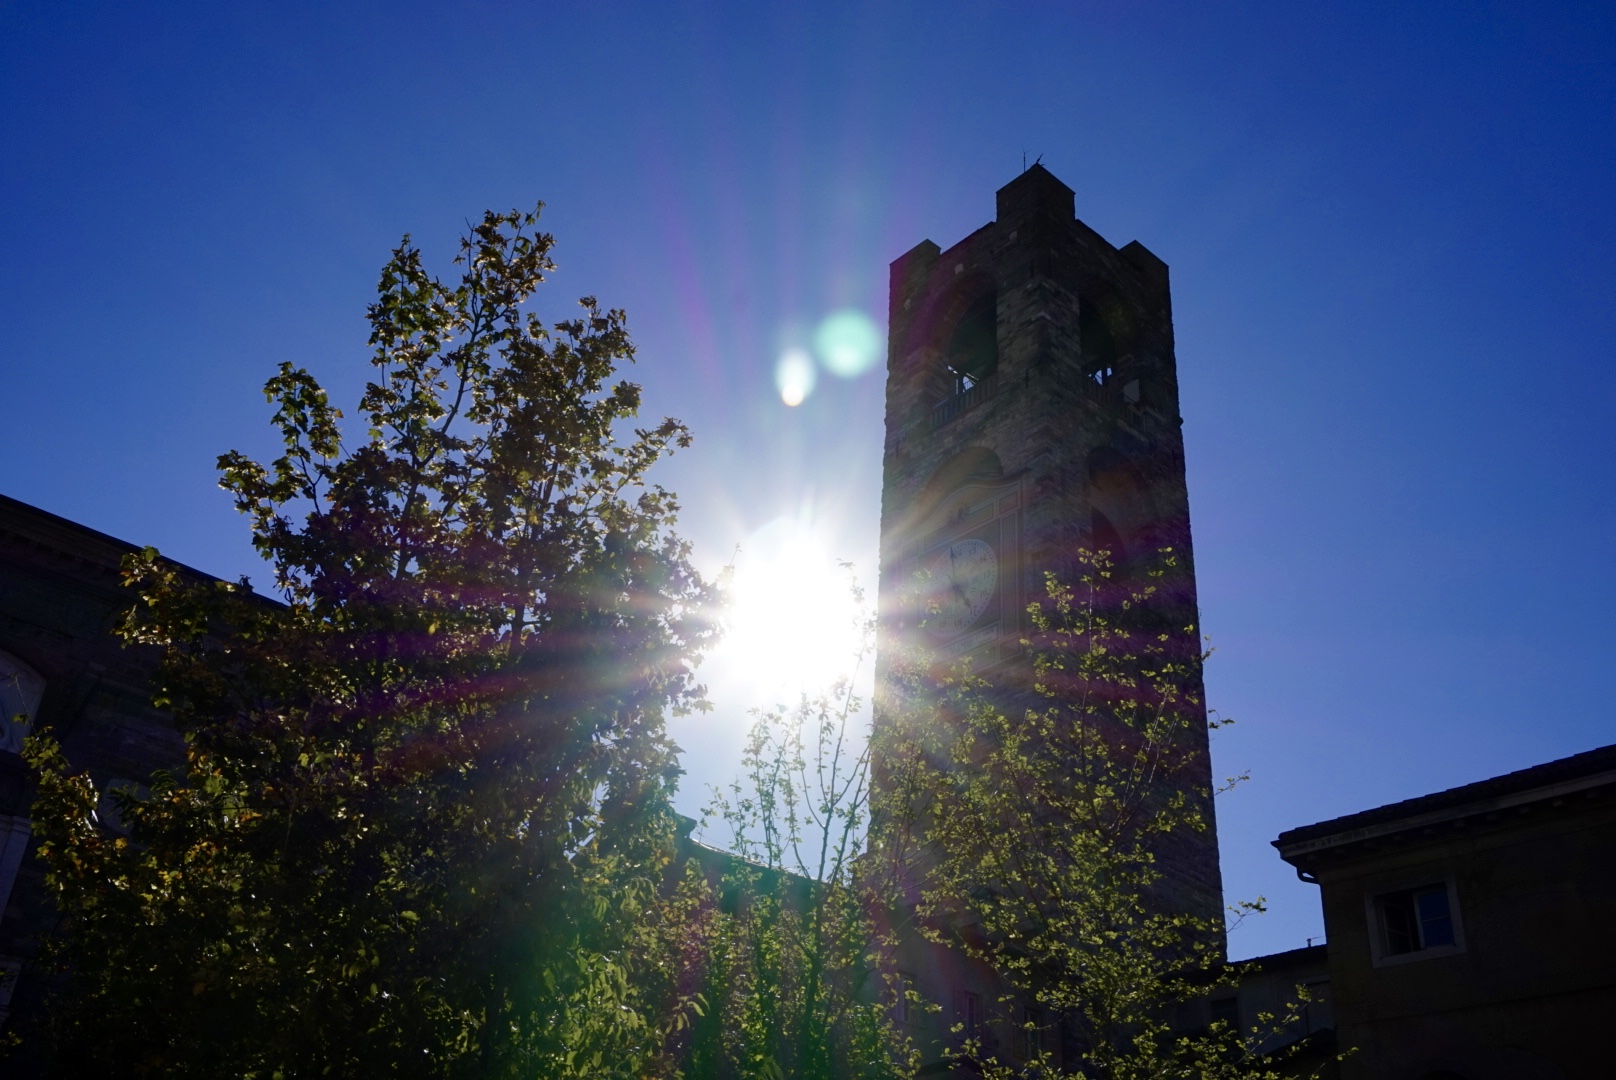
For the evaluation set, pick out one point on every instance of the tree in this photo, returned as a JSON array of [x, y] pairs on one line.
[[797, 971], [1081, 784], [422, 825]]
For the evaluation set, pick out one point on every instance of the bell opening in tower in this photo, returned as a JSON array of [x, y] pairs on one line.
[[1098, 344], [973, 349]]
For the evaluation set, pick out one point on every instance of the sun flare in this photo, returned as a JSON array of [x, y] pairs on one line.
[[793, 621]]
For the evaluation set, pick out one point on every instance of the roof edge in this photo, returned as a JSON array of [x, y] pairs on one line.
[[1572, 775]]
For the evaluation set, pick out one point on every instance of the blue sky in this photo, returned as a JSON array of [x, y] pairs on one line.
[[1390, 229]]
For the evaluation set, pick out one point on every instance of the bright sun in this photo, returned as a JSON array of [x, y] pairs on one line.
[[792, 625]]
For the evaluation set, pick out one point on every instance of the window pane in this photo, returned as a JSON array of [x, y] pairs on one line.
[[904, 984], [1034, 1021], [967, 1012], [1397, 915], [1436, 922]]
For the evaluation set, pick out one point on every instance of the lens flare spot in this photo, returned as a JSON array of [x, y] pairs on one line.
[[848, 343], [794, 376]]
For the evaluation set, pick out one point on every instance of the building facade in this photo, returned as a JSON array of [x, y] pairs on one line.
[[61, 596], [1469, 930], [1032, 412]]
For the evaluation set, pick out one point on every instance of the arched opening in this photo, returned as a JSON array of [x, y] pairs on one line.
[[973, 348], [1105, 539], [1119, 508], [1098, 343]]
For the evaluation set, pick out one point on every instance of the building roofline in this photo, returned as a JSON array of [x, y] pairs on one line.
[[28, 522], [33, 523], [1576, 774], [1299, 956]]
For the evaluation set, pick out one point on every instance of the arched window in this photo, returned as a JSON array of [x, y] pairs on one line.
[[20, 690], [973, 350]]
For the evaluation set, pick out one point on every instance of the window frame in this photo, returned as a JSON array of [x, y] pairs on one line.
[[1380, 952], [1028, 1041], [903, 1007], [1228, 1008], [968, 1013]]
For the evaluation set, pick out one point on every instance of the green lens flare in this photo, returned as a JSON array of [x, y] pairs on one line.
[[848, 343]]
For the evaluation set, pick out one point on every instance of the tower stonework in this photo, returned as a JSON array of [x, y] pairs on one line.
[[1032, 410]]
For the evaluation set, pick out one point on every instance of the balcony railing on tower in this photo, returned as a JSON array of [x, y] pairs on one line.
[[967, 398]]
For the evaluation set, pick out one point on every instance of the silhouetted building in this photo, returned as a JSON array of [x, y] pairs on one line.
[[1270, 987], [1470, 930], [1031, 411], [60, 597]]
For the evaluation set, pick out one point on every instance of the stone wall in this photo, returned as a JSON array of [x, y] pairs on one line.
[[1070, 434], [1072, 441]]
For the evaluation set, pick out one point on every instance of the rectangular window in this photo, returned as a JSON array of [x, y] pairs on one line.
[[968, 1013], [1029, 1040], [1227, 1010], [1413, 920], [903, 985]]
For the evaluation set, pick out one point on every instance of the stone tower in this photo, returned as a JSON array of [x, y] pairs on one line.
[[1032, 409]]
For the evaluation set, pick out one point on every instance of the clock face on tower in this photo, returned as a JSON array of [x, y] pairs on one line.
[[961, 579]]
